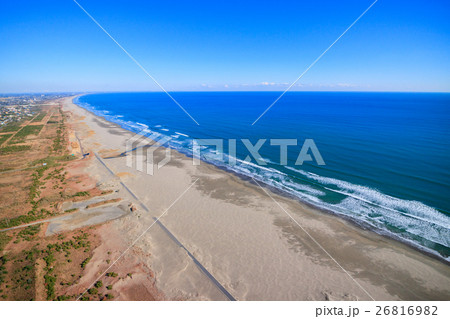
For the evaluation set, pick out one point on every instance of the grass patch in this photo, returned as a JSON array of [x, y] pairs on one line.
[[24, 219], [14, 149], [29, 232], [71, 210], [58, 141], [4, 240], [40, 117], [11, 127], [52, 160], [34, 214], [4, 137], [24, 132], [81, 194]]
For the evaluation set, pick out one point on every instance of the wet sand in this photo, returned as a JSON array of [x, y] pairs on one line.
[[243, 238]]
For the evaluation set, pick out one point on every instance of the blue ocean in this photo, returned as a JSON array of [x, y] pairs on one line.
[[387, 155]]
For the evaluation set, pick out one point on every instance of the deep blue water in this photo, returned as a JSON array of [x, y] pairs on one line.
[[387, 155]]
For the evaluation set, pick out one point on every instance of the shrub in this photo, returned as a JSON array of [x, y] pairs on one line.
[[85, 262], [50, 283], [63, 298], [93, 291], [98, 284], [4, 240]]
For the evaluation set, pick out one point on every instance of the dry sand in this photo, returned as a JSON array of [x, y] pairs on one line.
[[242, 238]]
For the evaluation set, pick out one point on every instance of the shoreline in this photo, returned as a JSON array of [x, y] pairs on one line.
[[358, 223], [283, 230]]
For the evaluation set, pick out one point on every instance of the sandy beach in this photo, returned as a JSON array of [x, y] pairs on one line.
[[220, 237]]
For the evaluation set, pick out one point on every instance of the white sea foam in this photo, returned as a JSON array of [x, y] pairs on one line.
[[182, 134], [372, 196], [414, 220]]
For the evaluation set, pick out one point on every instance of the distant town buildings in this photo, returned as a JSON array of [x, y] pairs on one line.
[[18, 107]]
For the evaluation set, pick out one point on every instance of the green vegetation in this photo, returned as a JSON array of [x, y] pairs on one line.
[[93, 291], [24, 219], [29, 232], [36, 183], [71, 210], [85, 262], [13, 149], [4, 137], [4, 240], [24, 132], [50, 284], [109, 296], [109, 287], [3, 272], [39, 117], [11, 127], [53, 160], [81, 194], [34, 193], [23, 276], [63, 298], [57, 142], [76, 242], [112, 274], [57, 145], [34, 213], [98, 284]]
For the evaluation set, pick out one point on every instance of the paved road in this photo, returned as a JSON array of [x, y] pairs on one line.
[[29, 224]]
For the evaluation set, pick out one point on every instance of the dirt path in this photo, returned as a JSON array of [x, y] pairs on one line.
[[21, 127]]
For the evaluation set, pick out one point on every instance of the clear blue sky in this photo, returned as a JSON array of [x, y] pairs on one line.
[[224, 45]]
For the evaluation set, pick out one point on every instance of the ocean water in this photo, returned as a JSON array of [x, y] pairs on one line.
[[387, 155]]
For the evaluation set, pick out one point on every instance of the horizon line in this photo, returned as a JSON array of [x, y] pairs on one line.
[[214, 91]]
